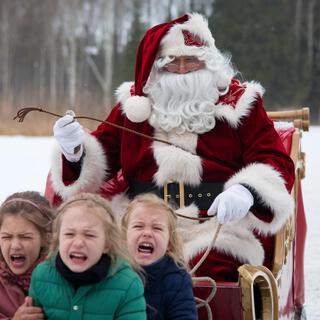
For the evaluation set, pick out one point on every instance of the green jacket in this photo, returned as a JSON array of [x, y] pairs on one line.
[[118, 296]]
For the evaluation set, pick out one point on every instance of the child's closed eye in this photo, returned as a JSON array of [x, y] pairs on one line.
[[158, 228], [137, 226], [26, 237], [90, 235], [6, 237], [68, 234]]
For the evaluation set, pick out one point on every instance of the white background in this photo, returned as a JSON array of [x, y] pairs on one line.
[[25, 161]]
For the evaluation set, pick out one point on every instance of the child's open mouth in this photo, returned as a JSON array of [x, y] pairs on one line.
[[145, 248], [17, 260], [78, 257]]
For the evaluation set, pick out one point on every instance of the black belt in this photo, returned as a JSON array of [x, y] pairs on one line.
[[179, 193]]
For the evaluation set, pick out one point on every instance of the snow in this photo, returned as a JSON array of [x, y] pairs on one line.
[[25, 162], [311, 197]]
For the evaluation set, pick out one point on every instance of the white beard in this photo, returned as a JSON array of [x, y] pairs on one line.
[[184, 102]]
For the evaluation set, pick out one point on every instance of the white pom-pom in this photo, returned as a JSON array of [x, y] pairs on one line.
[[137, 108]]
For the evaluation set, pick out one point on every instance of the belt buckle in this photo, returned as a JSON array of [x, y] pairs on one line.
[[167, 196]]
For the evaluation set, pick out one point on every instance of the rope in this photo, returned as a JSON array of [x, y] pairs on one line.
[[205, 302], [210, 246], [21, 114]]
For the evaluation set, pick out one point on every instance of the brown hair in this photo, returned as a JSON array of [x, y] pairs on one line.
[[174, 249], [97, 205], [35, 208]]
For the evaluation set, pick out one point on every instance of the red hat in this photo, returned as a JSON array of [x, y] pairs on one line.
[[182, 36]]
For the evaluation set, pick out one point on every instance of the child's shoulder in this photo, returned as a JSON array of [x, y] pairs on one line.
[[44, 268], [172, 273], [124, 272], [124, 269]]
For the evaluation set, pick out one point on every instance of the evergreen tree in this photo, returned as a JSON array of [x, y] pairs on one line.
[[258, 33]]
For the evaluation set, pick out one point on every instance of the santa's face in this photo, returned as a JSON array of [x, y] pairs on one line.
[[184, 90], [184, 64]]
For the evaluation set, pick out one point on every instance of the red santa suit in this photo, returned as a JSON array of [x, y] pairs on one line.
[[242, 148]]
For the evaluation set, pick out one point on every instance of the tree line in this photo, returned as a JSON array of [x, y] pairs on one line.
[[61, 54]]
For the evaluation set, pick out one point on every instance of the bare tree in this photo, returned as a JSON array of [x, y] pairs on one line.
[[310, 32], [5, 47]]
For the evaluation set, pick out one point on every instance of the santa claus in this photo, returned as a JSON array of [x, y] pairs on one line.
[[214, 151]]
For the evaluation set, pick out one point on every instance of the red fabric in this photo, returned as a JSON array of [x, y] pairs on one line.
[[301, 231], [191, 40], [236, 90], [286, 138], [147, 51], [222, 266], [255, 141]]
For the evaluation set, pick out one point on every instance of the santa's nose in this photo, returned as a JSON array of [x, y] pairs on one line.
[[183, 68]]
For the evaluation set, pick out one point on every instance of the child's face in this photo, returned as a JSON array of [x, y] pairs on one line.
[[147, 234], [82, 240], [20, 243]]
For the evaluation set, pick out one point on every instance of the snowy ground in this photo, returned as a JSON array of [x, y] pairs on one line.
[[24, 165], [311, 197]]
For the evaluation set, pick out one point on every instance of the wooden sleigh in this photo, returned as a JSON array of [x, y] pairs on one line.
[[261, 293]]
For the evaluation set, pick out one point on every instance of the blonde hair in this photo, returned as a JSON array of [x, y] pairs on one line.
[[174, 249], [100, 207], [35, 208]]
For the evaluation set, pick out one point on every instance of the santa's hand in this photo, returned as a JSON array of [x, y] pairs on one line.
[[232, 204], [27, 311], [70, 135]]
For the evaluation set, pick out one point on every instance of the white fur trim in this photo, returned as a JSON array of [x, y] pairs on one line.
[[242, 109], [92, 174], [270, 187], [235, 241], [173, 42], [174, 163], [123, 92], [137, 108], [119, 203]]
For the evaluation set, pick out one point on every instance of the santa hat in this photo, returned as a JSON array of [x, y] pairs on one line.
[[187, 35]]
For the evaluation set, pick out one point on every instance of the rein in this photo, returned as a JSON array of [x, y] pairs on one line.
[[21, 114]]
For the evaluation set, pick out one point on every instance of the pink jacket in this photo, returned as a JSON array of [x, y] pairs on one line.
[[11, 298]]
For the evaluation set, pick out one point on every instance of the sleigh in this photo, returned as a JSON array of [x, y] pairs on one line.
[[261, 293]]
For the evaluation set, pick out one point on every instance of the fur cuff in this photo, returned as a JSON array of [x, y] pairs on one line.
[[92, 174], [270, 187]]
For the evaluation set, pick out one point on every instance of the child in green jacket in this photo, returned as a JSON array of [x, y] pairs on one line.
[[87, 275]]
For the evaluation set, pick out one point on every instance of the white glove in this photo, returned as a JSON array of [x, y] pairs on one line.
[[70, 135], [232, 204]]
